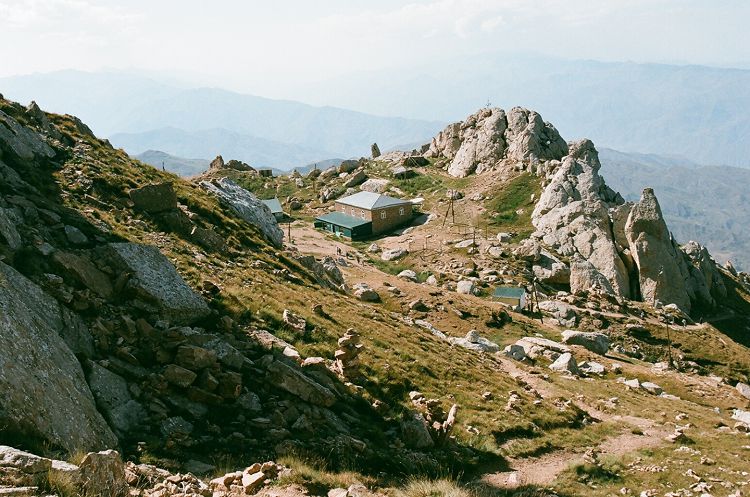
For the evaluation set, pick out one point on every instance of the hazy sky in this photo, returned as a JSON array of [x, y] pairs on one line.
[[263, 46]]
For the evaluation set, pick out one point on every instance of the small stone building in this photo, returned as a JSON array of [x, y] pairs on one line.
[[512, 295], [364, 214], [275, 206]]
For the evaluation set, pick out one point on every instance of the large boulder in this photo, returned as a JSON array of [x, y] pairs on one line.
[[294, 381], [365, 293], [24, 461], [566, 363], [535, 347], [158, 197], [154, 280], [102, 474], [551, 270], [393, 254], [466, 287], [46, 399], [248, 207], [355, 179], [84, 271], [114, 400], [374, 185], [595, 342]]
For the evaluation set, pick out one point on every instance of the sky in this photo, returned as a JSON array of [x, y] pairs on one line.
[[269, 48]]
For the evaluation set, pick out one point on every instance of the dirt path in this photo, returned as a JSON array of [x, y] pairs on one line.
[[545, 469]]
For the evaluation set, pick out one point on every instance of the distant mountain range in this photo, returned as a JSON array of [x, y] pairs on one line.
[[698, 112], [193, 167], [139, 114], [709, 204], [702, 113], [208, 143]]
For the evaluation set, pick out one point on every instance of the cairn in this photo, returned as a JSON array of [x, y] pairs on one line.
[[347, 362], [438, 422]]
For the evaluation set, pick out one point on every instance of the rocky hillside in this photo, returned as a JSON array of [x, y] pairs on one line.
[[175, 322], [146, 293], [622, 249]]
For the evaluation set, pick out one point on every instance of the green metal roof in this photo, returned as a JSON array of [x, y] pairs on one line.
[[342, 220], [509, 292], [274, 205]]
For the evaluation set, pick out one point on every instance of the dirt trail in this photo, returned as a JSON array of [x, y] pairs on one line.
[[541, 470], [544, 470]]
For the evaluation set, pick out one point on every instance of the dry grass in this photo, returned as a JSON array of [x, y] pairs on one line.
[[62, 484], [314, 474], [433, 488]]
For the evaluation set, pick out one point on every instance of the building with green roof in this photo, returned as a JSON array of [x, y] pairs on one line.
[[275, 206], [514, 296], [342, 224]]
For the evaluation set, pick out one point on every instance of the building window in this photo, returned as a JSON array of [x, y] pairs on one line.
[[382, 214], [362, 214], [353, 212], [401, 211]]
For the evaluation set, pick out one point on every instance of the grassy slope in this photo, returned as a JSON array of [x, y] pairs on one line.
[[95, 180], [399, 357]]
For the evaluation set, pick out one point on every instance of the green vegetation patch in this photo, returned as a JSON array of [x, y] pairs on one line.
[[504, 205]]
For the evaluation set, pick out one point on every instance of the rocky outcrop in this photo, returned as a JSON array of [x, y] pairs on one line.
[[489, 136], [616, 248], [684, 276], [218, 164], [18, 143], [45, 395], [154, 281], [572, 217], [661, 276], [529, 138], [248, 207]]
